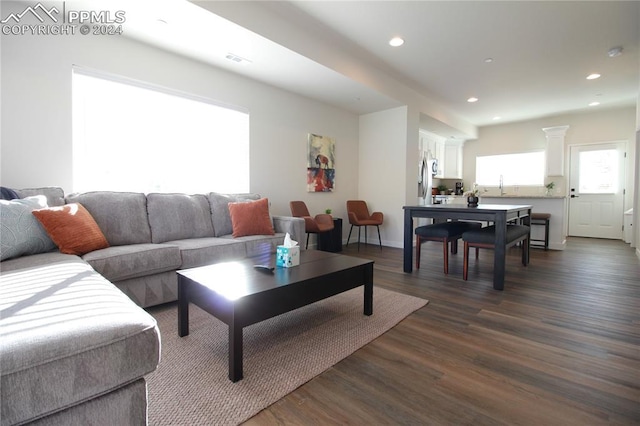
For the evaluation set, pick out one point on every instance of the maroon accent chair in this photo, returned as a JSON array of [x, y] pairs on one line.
[[312, 225], [359, 216]]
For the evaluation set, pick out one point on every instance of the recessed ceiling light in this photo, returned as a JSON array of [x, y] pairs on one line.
[[488, 60], [615, 51], [472, 99], [593, 76], [396, 41], [594, 104], [497, 117]]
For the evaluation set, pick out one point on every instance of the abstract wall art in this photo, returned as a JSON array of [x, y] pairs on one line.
[[321, 171]]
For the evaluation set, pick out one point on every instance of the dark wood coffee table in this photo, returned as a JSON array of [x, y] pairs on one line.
[[239, 295]]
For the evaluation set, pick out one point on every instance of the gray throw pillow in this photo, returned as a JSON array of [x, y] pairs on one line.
[[20, 232], [220, 216]]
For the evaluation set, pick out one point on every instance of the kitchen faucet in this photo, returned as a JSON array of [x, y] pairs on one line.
[[501, 186]]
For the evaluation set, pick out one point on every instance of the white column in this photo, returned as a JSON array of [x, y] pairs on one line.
[[555, 150]]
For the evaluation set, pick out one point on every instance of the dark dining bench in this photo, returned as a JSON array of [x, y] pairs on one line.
[[485, 238]]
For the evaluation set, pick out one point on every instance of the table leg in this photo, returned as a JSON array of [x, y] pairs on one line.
[[527, 222], [408, 241], [183, 307], [235, 352], [500, 251], [368, 291]]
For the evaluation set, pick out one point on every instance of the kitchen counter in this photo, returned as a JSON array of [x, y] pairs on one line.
[[556, 205], [561, 197]]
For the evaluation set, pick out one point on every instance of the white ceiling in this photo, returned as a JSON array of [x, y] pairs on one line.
[[542, 51]]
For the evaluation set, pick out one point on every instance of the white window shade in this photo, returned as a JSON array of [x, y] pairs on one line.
[[131, 137], [522, 169]]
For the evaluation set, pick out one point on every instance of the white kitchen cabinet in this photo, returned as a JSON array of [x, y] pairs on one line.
[[452, 159], [447, 152], [438, 152], [433, 143]]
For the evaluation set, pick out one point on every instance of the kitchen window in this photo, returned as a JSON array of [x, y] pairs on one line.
[[133, 136], [522, 169]]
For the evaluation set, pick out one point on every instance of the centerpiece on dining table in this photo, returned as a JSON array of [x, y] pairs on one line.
[[472, 196]]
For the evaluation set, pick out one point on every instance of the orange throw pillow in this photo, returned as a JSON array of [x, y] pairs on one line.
[[251, 218], [72, 228]]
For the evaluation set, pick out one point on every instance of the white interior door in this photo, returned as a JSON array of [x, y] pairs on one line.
[[596, 185]]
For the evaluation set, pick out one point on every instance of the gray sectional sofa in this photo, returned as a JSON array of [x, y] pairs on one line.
[[75, 341]]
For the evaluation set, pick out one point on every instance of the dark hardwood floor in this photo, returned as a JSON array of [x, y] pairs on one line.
[[559, 346]]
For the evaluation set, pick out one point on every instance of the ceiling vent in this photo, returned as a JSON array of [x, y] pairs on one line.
[[237, 59]]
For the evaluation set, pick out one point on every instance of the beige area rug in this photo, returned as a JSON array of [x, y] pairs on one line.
[[190, 386]]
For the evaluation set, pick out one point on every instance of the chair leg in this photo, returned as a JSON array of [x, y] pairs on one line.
[[525, 251], [546, 235], [465, 261], [477, 252], [349, 235], [418, 243], [365, 235], [307, 246], [379, 239], [445, 252]]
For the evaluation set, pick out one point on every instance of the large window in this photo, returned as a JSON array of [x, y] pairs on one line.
[[129, 136], [523, 169]]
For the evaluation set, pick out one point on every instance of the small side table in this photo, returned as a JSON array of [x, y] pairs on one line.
[[331, 241]]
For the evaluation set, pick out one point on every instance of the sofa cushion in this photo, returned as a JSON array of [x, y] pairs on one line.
[[204, 251], [487, 235], [72, 228], [178, 216], [122, 216], [20, 232], [54, 194], [220, 216], [257, 245], [251, 218], [68, 335], [119, 263], [446, 229], [37, 260]]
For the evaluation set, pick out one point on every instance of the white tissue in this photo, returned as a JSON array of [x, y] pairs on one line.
[[288, 242]]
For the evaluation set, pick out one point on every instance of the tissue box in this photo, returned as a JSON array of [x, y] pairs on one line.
[[287, 256]]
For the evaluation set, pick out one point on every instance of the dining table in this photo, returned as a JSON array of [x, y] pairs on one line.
[[498, 214]]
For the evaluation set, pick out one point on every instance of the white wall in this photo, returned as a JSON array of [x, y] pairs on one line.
[[382, 163], [598, 126], [36, 146]]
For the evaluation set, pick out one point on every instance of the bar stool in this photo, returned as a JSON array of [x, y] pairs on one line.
[[541, 219]]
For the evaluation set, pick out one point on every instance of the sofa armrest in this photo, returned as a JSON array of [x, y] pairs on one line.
[[293, 225]]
